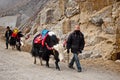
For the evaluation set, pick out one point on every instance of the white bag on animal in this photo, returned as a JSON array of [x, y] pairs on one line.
[[58, 47], [21, 43]]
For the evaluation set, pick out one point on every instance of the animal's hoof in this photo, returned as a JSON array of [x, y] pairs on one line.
[[58, 68], [34, 62], [47, 65]]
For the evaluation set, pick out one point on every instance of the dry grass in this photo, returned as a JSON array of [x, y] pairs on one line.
[[26, 48]]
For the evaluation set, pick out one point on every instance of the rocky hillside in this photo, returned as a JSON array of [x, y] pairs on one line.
[[7, 7], [7, 4], [24, 9], [99, 21]]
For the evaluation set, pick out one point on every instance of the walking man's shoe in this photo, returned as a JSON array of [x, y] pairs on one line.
[[71, 67], [79, 70]]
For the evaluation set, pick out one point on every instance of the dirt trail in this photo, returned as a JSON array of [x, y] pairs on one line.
[[15, 65]]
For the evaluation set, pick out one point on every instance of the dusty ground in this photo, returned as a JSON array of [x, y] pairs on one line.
[[15, 65]]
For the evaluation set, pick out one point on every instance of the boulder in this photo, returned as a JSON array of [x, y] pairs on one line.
[[66, 26], [97, 21], [109, 29], [91, 41], [47, 16], [96, 54], [85, 54], [71, 8]]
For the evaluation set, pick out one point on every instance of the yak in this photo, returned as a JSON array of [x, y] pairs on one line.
[[15, 39], [44, 48]]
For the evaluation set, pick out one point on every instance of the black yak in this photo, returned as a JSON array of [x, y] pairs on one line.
[[43, 48], [15, 39]]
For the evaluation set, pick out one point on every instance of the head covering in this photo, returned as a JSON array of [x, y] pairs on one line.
[[8, 27]]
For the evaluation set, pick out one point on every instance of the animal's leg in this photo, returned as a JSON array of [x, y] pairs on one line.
[[47, 63], [56, 56], [41, 61], [13, 47], [57, 66], [19, 47], [34, 60]]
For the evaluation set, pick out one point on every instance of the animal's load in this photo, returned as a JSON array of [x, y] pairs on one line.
[[40, 38], [44, 32], [15, 31]]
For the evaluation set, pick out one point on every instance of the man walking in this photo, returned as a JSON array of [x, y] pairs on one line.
[[7, 35], [76, 43]]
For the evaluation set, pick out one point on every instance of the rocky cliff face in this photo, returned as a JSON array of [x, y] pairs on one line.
[[99, 21], [24, 9], [8, 4]]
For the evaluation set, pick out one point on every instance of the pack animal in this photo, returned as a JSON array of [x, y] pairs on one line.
[[43, 48]]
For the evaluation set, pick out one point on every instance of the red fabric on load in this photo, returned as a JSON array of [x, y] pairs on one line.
[[38, 39], [14, 34]]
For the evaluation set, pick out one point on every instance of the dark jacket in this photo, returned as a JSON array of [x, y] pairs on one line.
[[76, 42], [8, 34]]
